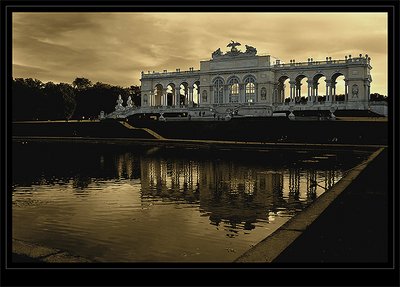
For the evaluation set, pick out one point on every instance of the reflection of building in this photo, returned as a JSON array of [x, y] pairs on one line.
[[127, 166], [175, 180], [231, 192], [238, 193]]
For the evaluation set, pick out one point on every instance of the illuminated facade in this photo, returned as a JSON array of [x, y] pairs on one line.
[[236, 79]]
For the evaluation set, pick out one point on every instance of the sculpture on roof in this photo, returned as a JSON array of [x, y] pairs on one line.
[[250, 50], [217, 53], [233, 44]]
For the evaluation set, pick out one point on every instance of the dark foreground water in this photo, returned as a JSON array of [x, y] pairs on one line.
[[134, 204]]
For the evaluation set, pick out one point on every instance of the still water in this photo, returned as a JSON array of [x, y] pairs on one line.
[[136, 204]]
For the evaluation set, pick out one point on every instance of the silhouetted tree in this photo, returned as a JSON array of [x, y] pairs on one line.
[[68, 96], [378, 97], [81, 83], [134, 92], [26, 98], [32, 99]]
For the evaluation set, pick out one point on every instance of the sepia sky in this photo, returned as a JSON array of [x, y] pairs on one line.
[[115, 47]]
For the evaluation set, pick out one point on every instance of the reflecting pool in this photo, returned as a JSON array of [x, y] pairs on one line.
[[135, 204]]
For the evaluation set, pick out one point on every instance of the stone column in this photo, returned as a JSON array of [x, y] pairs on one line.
[[186, 96], [198, 95], [292, 91], [255, 93], [164, 97], [189, 96], [151, 95], [211, 95], [346, 91], [366, 91], [177, 96], [298, 88], [241, 93], [309, 91], [328, 91]]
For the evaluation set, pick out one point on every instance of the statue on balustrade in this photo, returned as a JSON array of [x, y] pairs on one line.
[[129, 103], [119, 106]]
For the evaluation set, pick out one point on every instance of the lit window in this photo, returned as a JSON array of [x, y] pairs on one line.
[[234, 90], [250, 89]]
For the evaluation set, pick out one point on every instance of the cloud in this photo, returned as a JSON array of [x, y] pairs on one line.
[[115, 47]]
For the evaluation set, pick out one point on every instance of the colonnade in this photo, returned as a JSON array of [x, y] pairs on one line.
[[312, 91], [162, 97]]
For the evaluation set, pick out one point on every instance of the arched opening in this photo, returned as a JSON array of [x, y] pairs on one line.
[[233, 90], [338, 86], [283, 92], [157, 95], [196, 90], [183, 94], [218, 89], [250, 89], [301, 89], [319, 90], [170, 95]]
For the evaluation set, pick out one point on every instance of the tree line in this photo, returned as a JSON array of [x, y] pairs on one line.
[[34, 100]]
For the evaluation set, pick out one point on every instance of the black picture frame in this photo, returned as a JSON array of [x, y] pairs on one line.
[[329, 274]]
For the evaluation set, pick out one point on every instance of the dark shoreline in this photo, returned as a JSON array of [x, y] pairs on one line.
[[349, 132]]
